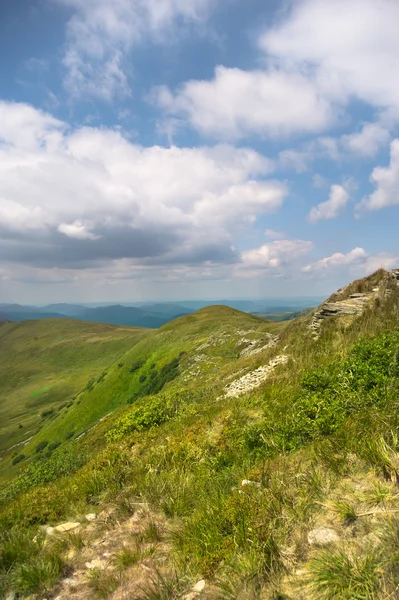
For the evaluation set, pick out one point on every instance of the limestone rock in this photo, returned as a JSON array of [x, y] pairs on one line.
[[65, 527], [245, 482], [91, 517], [96, 563], [196, 590], [322, 536], [253, 379]]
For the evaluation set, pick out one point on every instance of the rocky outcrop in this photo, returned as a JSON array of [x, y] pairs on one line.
[[347, 302], [253, 379]]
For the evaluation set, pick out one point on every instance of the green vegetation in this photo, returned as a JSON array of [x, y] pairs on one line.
[[240, 481], [43, 364]]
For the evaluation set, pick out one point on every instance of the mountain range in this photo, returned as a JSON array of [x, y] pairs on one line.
[[152, 315]]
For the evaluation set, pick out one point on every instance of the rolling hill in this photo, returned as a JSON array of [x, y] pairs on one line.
[[44, 364], [221, 457]]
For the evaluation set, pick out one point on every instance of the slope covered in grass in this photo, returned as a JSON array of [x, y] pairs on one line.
[[243, 485], [44, 364]]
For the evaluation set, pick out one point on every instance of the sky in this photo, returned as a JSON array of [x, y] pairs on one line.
[[181, 149]]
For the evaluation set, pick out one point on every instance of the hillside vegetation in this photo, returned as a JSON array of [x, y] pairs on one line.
[[44, 365], [285, 489]]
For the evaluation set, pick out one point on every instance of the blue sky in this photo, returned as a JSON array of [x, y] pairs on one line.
[[196, 148]]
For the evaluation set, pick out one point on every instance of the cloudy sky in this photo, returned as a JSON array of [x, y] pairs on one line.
[[183, 149]]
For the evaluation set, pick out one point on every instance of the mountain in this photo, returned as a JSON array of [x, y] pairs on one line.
[[113, 314], [220, 456], [149, 315]]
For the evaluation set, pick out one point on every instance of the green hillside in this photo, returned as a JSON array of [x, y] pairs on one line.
[[223, 457], [44, 364]]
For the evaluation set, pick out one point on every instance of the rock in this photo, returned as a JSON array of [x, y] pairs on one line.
[[49, 530], [196, 590], [91, 517], [199, 586], [245, 482], [97, 563], [253, 379], [322, 536], [65, 527]]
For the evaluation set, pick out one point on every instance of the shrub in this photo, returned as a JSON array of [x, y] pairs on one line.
[[41, 446], [69, 435], [47, 413], [137, 365], [18, 459], [53, 446]]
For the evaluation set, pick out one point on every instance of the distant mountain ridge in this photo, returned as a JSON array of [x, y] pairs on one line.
[[151, 315]]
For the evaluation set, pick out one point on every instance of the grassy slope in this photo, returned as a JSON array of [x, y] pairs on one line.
[[46, 363], [322, 451], [227, 327]]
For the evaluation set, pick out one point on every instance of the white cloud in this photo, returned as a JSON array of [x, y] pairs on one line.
[[386, 180], [357, 260], [351, 47], [77, 230], [276, 254], [368, 141], [330, 209], [317, 58], [239, 103], [95, 197], [101, 35]]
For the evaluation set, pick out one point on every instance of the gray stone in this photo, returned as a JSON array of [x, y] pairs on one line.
[[322, 536]]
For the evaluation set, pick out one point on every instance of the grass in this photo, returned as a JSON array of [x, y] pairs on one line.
[[43, 365], [319, 442]]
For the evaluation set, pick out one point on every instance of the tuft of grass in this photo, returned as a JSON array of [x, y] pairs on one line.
[[338, 574], [103, 582], [38, 575], [346, 511], [126, 557], [163, 587]]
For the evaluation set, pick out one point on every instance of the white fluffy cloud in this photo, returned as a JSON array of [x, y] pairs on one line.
[[83, 197], [276, 254], [368, 141], [101, 34], [331, 208], [351, 45], [386, 180], [238, 103], [357, 260], [317, 58]]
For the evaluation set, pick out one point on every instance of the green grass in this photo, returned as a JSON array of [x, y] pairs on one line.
[[43, 365], [319, 441]]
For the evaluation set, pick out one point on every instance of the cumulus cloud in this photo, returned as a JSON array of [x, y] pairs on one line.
[[357, 260], [317, 57], [101, 34], [86, 197], [276, 254], [331, 208], [386, 181], [350, 46], [238, 103]]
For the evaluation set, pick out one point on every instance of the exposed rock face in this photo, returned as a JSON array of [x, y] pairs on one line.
[[347, 302], [254, 379]]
